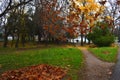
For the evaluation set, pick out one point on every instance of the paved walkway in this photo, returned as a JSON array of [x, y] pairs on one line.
[[95, 68], [116, 72]]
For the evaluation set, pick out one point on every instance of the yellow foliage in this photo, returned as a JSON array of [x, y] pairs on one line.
[[90, 5], [91, 1], [73, 12], [88, 17], [79, 1], [84, 9], [108, 17], [102, 8], [92, 24], [93, 6], [91, 10]]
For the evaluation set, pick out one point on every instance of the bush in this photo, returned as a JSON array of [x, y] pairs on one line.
[[101, 36], [1, 36], [103, 41]]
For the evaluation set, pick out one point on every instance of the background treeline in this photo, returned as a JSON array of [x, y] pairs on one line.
[[57, 21]]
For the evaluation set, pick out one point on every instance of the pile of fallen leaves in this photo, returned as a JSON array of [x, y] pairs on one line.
[[39, 72]]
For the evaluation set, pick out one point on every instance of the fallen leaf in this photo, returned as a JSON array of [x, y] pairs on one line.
[[39, 72]]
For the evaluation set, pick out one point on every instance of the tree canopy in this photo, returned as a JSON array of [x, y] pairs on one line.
[[55, 20]]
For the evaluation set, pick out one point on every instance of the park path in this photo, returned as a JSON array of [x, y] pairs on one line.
[[116, 71], [96, 69]]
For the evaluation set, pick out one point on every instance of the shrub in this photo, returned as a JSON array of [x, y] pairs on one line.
[[103, 41], [101, 36], [1, 36]]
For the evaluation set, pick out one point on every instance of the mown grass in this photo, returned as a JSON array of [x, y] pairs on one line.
[[68, 58], [108, 54]]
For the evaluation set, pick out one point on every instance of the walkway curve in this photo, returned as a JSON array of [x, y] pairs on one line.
[[95, 68], [116, 71]]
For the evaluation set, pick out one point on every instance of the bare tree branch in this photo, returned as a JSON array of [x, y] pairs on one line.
[[10, 6]]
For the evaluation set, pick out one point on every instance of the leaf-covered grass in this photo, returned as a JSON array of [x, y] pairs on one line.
[[68, 58], [108, 54]]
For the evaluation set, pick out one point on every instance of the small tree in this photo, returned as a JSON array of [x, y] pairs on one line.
[[101, 35]]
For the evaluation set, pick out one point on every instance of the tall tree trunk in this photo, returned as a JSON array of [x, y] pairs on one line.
[[39, 37], [5, 38], [23, 40], [119, 34], [13, 38], [81, 39], [85, 39], [17, 41], [83, 17], [88, 41]]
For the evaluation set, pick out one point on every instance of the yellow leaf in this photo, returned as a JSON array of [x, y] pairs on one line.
[[90, 1], [108, 17]]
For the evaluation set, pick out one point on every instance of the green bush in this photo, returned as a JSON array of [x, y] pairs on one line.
[[103, 41], [101, 36], [1, 36]]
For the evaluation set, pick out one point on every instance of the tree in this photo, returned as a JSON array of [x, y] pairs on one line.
[[83, 14], [12, 11], [8, 5], [51, 22], [101, 35], [20, 28], [113, 10], [6, 32]]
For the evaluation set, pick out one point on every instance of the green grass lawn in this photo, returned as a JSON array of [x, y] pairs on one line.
[[70, 58], [108, 54]]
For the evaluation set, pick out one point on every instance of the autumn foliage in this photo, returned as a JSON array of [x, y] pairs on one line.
[[52, 21], [61, 20], [39, 72]]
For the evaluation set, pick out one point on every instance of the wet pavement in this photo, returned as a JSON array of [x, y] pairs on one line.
[[116, 71]]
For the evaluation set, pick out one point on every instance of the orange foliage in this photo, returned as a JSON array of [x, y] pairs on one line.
[[39, 72], [53, 22], [84, 14]]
